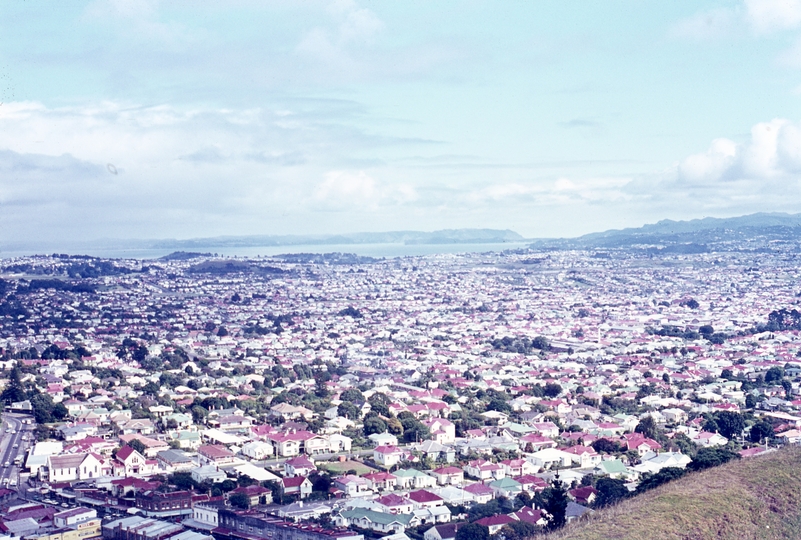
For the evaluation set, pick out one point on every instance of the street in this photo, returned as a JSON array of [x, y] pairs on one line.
[[15, 437]]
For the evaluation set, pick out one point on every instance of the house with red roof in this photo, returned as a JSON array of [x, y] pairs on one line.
[[387, 455], [452, 476], [481, 493], [495, 523], [425, 499], [299, 466], [530, 515], [383, 481], [296, 486]]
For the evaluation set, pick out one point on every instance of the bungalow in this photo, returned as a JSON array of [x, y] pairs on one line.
[[614, 468], [484, 470], [376, 521], [529, 515], [395, 504], [442, 532], [387, 455], [584, 495], [383, 439], [481, 493], [413, 479], [296, 485], [518, 467], [506, 487], [425, 499], [707, 439], [299, 466], [352, 485], [531, 483], [381, 481], [549, 458], [495, 523], [583, 456], [213, 454], [258, 450], [449, 476]]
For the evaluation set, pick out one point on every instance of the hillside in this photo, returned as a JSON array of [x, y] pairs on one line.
[[750, 498], [754, 232]]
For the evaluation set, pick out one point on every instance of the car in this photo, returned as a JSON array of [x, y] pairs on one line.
[[8, 464], [16, 445]]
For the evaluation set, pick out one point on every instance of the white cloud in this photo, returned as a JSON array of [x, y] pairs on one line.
[[706, 25], [773, 15]]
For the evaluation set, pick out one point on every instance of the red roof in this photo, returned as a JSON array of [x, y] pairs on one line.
[[423, 496]]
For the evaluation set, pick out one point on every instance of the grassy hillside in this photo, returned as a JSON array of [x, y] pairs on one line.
[[758, 497]]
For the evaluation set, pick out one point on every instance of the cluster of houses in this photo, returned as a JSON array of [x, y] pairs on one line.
[[623, 340]]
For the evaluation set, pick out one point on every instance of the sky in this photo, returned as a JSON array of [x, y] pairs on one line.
[[185, 119]]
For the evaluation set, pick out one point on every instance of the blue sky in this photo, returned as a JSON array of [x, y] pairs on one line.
[[148, 119]]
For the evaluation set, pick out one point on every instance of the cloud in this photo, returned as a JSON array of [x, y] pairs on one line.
[[707, 25], [762, 17], [356, 190], [767, 16]]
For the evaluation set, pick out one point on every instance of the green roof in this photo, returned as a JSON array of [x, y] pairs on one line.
[[408, 473], [613, 466], [506, 483], [377, 517]]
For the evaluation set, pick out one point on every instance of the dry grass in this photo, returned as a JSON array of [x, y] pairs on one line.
[[751, 498], [341, 467]]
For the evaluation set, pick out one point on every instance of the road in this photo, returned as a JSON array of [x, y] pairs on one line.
[[15, 437]]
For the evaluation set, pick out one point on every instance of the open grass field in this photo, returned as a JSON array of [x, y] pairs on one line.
[[751, 498], [341, 467]]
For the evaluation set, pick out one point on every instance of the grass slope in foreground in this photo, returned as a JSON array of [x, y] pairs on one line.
[[757, 497]]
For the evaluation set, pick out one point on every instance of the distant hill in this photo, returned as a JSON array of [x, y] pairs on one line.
[[753, 232], [749, 498], [446, 236]]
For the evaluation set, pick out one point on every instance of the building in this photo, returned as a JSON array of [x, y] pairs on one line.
[[160, 504]]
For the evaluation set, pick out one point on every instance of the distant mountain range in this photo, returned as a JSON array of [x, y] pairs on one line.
[[445, 236], [751, 232]]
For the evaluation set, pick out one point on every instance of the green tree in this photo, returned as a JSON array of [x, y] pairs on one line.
[[610, 491], [647, 427], [552, 390], [353, 395], [374, 425], [761, 430], [239, 500], [472, 531], [555, 501], [348, 410], [138, 445], [774, 375], [706, 458], [730, 424]]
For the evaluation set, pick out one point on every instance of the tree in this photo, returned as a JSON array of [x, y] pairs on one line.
[[472, 531], [610, 491], [138, 445], [647, 427], [750, 401], [348, 410], [555, 501], [353, 395], [374, 425], [394, 426], [552, 390], [761, 430], [605, 446], [14, 391], [774, 375], [730, 424], [239, 500], [712, 457]]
